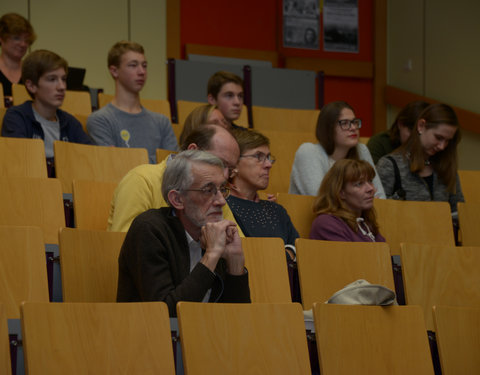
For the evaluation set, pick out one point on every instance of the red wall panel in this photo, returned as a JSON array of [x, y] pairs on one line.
[[257, 25], [356, 92], [242, 24]]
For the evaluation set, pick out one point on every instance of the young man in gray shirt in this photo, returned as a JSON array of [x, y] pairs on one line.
[[124, 122]]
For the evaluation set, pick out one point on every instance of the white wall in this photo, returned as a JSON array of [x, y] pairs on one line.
[[440, 38], [83, 31]]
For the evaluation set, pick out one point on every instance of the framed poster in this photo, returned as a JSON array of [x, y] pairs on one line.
[[301, 24], [340, 26]]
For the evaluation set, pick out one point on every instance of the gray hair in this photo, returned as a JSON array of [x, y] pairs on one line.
[[178, 174]]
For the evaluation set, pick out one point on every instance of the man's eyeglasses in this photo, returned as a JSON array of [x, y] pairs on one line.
[[261, 157], [347, 124], [210, 190]]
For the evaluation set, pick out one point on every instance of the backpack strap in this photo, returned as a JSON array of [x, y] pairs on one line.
[[397, 186]]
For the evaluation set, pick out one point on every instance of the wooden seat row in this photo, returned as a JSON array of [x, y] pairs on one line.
[[41, 200], [79, 338], [434, 275]]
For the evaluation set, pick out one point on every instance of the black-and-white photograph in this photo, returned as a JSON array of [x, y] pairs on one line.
[[301, 24], [340, 26]]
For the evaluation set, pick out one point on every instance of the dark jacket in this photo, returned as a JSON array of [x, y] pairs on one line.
[[19, 122], [154, 265]]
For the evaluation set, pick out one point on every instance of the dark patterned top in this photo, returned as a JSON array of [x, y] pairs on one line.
[[263, 219]]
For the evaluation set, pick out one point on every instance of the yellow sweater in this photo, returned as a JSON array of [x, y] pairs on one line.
[[139, 191]]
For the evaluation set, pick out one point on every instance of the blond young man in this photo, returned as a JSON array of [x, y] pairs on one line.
[[124, 122]]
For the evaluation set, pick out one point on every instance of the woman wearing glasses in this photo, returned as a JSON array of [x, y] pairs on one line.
[[257, 217], [425, 167], [337, 132], [344, 204]]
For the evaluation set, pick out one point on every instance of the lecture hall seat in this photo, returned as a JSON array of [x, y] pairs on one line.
[[89, 264], [325, 267], [97, 338], [260, 338], [440, 275], [75, 161], [458, 332], [371, 340], [413, 221], [92, 202], [266, 263]]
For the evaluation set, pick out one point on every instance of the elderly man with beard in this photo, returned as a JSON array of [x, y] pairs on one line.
[[187, 251]]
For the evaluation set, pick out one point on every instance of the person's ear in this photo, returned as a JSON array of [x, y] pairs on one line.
[[421, 126], [342, 194], [192, 146], [113, 71], [30, 86], [176, 199], [211, 99]]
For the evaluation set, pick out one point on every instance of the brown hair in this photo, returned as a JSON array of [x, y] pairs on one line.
[[199, 116], [326, 125], [12, 24], [328, 199], [443, 162], [249, 139], [119, 49], [39, 62], [406, 117], [216, 82], [202, 137]]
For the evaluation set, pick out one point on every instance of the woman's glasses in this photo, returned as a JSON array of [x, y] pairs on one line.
[[261, 157], [347, 124]]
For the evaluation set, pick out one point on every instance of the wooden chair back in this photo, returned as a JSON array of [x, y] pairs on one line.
[[23, 274], [243, 338], [89, 264], [154, 105], [373, 340], [457, 331], [163, 154], [364, 140], [22, 157], [469, 221], [299, 208], [104, 99], [283, 119], [470, 182], [92, 203], [412, 221], [34, 202], [77, 102], [158, 106], [184, 108], [19, 94], [97, 338], [284, 145], [325, 267], [2, 114], [100, 163], [440, 275], [266, 262], [177, 130], [5, 367], [83, 120]]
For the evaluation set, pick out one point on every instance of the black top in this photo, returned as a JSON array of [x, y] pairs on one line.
[[263, 219], [7, 85], [154, 265]]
